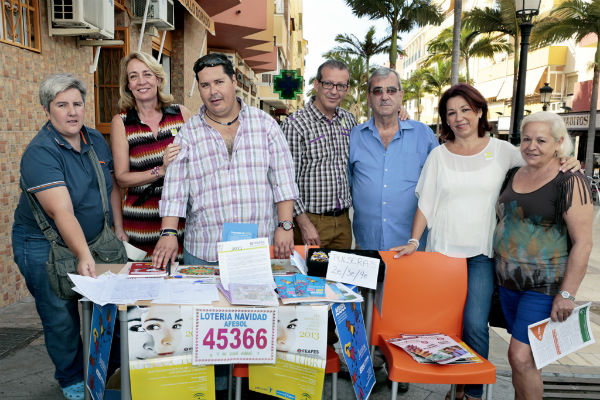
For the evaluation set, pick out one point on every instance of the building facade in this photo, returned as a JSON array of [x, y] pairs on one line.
[[42, 37]]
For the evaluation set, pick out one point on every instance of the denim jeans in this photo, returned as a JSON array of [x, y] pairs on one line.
[[221, 371], [476, 333], [60, 318]]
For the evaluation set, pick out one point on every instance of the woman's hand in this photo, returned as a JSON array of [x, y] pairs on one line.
[[561, 308], [120, 233], [87, 266], [405, 250], [171, 152], [570, 164]]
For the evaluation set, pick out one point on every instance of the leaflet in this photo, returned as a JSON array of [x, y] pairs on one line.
[[436, 348], [551, 341], [245, 261]]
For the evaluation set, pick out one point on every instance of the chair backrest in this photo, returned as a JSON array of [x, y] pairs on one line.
[[423, 293]]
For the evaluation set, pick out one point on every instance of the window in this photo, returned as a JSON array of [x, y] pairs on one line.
[[20, 25], [106, 80], [165, 59]]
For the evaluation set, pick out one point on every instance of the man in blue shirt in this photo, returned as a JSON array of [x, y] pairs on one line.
[[386, 158]]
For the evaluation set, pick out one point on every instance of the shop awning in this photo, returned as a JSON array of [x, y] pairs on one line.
[[531, 83], [490, 89]]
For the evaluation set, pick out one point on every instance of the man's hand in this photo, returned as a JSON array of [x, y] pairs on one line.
[[86, 265], [283, 243], [561, 308], [165, 250]]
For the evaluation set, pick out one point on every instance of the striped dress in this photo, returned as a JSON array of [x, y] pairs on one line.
[[142, 222]]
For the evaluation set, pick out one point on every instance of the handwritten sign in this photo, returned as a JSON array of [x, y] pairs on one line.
[[353, 269], [226, 335]]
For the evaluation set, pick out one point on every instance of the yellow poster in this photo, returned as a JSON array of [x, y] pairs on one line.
[[292, 377], [171, 378]]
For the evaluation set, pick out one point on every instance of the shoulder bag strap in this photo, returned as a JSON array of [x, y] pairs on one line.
[[101, 182]]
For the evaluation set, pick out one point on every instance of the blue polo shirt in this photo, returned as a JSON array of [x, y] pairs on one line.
[[50, 161], [383, 182]]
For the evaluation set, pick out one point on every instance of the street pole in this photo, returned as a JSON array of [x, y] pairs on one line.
[[519, 102]]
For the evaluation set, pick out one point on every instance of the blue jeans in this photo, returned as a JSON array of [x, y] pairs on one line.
[[221, 371], [476, 333], [60, 318]]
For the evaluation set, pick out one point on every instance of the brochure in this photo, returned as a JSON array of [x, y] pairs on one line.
[[551, 341], [335, 292], [245, 261], [239, 231], [303, 330], [145, 270], [101, 335], [436, 348], [250, 294], [298, 285], [195, 271]]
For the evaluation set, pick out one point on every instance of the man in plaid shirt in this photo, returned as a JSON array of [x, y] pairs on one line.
[[318, 136]]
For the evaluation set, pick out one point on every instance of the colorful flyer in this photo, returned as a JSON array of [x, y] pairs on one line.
[[171, 378], [238, 231], [299, 286], [226, 335], [159, 331], [292, 377], [303, 330], [101, 334], [353, 339]]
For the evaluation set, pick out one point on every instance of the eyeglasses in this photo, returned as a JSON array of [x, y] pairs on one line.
[[341, 87], [378, 90]]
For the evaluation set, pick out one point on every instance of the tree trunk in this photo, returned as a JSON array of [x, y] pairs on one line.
[[456, 42], [591, 135], [393, 47], [367, 88]]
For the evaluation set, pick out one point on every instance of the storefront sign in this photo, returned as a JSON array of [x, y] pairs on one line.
[[226, 335], [200, 15], [579, 121]]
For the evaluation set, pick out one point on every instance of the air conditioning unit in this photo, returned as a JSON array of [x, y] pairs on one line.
[[161, 13], [82, 18]]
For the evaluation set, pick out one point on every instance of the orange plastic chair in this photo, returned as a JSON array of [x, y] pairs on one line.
[[332, 365], [425, 293]]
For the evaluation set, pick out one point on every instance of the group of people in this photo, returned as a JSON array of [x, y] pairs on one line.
[[185, 176]]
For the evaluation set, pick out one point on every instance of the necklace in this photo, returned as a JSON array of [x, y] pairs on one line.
[[223, 123]]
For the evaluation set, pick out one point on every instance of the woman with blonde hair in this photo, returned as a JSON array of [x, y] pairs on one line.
[[141, 141], [542, 241]]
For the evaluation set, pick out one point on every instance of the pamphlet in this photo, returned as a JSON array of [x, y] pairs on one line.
[[298, 285], [284, 266], [551, 341], [101, 335], [335, 292], [303, 330], [194, 271], [250, 294], [145, 270], [239, 231], [353, 340], [245, 261], [434, 348]]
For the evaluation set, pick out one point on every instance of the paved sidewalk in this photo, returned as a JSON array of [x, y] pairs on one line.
[[27, 373]]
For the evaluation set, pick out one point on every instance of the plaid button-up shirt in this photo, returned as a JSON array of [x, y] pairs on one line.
[[319, 148], [208, 188]]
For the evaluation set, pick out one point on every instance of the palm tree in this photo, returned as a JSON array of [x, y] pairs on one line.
[[366, 49], [402, 15], [456, 30], [437, 77], [414, 88], [502, 18], [575, 19], [472, 44]]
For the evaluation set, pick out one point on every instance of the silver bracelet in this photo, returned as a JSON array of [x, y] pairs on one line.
[[414, 241]]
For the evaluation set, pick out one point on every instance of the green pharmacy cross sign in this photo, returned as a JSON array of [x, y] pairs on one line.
[[287, 84]]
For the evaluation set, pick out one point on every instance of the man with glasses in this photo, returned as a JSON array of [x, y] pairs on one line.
[[234, 166], [318, 139], [386, 158]]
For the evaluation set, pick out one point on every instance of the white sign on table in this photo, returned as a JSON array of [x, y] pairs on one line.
[[352, 268], [226, 335]]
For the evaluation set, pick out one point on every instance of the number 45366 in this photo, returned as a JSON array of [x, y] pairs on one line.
[[235, 338]]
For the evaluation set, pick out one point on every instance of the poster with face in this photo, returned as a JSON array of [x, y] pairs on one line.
[[159, 331], [303, 330]]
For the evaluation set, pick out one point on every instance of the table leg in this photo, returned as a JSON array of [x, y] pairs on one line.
[[86, 326], [125, 388]]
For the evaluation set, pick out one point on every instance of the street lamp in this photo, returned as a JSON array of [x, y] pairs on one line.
[[545, 94], [525, 10]]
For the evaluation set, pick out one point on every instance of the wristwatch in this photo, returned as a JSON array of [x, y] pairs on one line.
[[286, 225], [566, 295]]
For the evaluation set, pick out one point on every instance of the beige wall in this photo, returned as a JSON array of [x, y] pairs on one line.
[[21, 116]]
